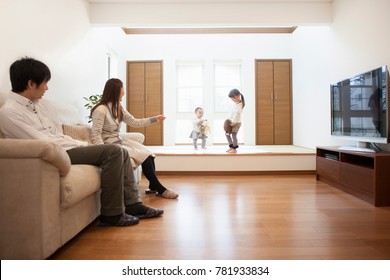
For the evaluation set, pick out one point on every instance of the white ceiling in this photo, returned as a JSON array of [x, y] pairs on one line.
[[200, 1], [217, 13]]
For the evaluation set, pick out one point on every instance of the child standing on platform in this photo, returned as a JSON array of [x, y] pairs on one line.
[[200, 128], [234, 120]]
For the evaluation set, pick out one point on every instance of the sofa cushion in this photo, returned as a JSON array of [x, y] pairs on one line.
[[81, 181], [78, 132], [83, 132]]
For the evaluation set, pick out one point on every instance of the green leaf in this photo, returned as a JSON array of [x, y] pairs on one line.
[[92, 100]]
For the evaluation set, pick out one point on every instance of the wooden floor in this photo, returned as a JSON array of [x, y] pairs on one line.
[[269, 217]]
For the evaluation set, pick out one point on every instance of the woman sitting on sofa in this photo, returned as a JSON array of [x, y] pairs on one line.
[[107, 117]]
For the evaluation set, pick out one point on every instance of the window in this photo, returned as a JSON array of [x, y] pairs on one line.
[[190, 88], [111, 64], [227, 75], [108, 65], [206, 85]]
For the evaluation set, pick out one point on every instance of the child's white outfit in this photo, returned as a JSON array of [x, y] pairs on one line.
[[199, 131], [236, 112]]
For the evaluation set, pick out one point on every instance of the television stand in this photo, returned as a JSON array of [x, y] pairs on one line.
[[356, 149], [362, 174]]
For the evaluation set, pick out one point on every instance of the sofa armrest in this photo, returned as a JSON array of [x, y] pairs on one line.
[[83, 132], [40, 149], [134, 136], [30, 221]]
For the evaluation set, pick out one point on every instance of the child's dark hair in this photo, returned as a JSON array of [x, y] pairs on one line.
[[236, 92], [26, 69], [198, 108]]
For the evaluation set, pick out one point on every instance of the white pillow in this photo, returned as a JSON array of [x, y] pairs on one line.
[[65, 111]]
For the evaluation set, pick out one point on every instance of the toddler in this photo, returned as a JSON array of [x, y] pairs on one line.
[[200, 128]]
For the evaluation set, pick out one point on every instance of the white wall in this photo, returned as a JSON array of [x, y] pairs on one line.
[[40, 29], [312, 70], [207, 48], [357, 41], [82, 71], [59, 33]]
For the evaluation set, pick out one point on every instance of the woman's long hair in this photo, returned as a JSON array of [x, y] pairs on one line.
[[236, 92], [111, 94]]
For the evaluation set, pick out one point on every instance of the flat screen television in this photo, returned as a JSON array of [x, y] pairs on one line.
[[360, 108]]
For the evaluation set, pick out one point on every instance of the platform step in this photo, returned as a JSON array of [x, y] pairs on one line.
[[248, 159]]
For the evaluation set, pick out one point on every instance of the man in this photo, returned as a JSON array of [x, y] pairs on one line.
[[24, 117]]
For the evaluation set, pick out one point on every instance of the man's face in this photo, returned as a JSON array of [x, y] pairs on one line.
[[37, 91]]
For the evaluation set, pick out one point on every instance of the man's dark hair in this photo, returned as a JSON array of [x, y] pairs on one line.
[[25, 69]]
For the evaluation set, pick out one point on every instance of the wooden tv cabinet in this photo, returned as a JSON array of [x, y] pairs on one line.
[[362, 174]]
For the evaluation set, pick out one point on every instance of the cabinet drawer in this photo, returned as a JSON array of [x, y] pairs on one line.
[[328, 168], [359, 178]]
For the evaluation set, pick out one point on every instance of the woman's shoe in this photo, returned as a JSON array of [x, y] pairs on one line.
[[232, 151], [168, 194]]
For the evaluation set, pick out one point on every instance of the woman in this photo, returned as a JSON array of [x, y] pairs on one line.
[[107, 117]]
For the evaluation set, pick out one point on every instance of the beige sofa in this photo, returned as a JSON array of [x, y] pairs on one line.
[[44, 200]]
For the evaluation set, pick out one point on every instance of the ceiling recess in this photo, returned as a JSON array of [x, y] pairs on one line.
[[211, 30]]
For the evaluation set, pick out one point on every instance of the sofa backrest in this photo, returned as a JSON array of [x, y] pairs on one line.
[[60, 112], [64, 112]]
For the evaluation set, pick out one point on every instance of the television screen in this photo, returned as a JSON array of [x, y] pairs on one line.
[[359, 106]]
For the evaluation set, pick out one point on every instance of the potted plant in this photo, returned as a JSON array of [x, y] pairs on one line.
[[92, 100]]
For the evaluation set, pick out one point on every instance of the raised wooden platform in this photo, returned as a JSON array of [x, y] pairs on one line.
[[249, 159]]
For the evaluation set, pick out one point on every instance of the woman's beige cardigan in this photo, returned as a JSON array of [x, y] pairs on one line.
[[106, 130]]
